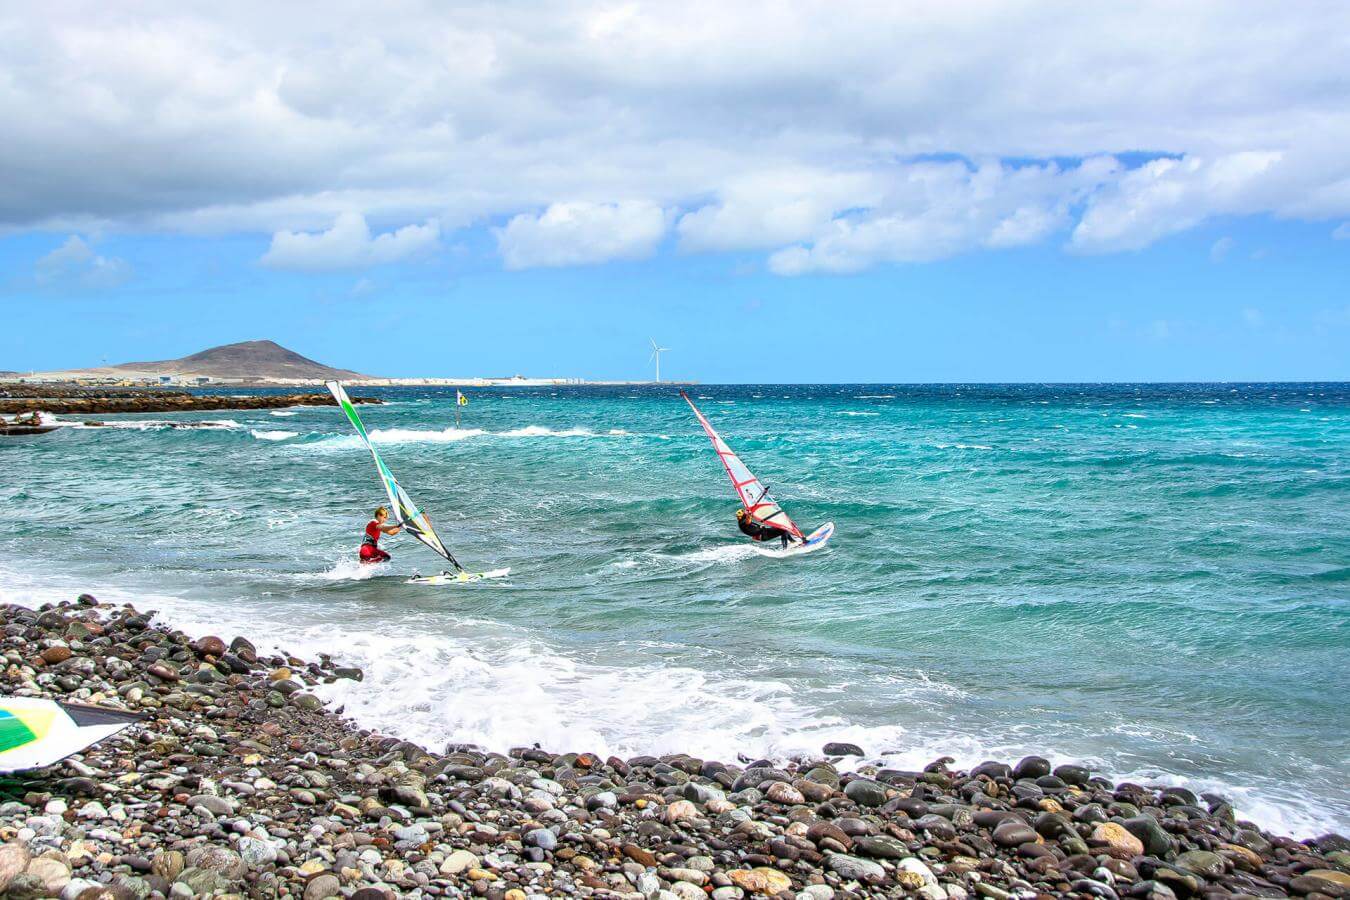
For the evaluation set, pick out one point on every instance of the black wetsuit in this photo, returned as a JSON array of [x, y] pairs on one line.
[[758, 531]]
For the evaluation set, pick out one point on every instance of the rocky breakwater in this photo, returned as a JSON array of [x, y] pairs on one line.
[[241, 783], [164, 401]]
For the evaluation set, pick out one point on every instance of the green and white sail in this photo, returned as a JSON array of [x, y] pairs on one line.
[[405, 510], [35, 733]]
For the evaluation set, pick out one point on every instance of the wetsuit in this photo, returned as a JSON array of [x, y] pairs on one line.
[[370, 545], [758, 531]]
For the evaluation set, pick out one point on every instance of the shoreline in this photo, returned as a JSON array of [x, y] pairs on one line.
[[247, 784]]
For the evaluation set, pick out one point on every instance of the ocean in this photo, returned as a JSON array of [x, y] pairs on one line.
[[1153, 580]]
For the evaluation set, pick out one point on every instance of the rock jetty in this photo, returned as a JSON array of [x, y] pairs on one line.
[[70, 402], [241, 783]]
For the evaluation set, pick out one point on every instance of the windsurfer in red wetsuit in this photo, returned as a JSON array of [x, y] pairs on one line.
[[370, 544]]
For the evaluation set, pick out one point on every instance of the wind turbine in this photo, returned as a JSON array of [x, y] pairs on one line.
[[656, 355]]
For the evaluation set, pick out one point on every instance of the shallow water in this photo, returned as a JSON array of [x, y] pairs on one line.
[[1151, 579]]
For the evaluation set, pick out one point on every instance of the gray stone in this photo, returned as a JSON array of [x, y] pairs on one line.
[[881, 847], [216, 806], [322, 886], [203, 881], [853, 867], [218, 859], [256, 853], [1157, 842], [865, 792]]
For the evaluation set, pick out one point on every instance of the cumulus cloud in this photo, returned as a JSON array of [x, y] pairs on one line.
[[348, 244], [928, 211], [76, 263], [581, 233], [1170, 195], [736, 119]]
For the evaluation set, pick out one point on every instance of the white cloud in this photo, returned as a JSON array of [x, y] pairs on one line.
[[348, 244], [1220, 249], [775, 207], [580, 233], [1170, 195], [260, 118], [1342, 232], [929, 211], [75, 262]]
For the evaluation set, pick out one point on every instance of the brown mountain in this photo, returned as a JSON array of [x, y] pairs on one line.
[[249, 359]]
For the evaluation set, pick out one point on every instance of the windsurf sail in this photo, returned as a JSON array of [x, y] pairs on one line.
[[405, 510], [35, 733], [754, 495]]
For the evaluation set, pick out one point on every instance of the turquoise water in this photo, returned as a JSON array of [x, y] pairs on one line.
[[1152, 579]]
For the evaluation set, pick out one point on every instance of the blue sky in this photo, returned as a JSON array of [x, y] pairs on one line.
[[474, 191]]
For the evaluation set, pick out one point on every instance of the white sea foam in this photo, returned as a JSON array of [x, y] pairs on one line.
[[1134, 415], [157, 424], [451, 435], [875, 397], [283, 413], [722, 553], [542, 431], [853, 412], [273, 435], [349, 568], [437, 688], [400, 436]]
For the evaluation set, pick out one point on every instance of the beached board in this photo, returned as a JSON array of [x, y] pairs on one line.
[[458, 577], [814, 541]]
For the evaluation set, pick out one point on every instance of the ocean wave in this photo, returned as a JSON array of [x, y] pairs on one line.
[[544, 431], [282, 413], [273, 435], [611, 702], [402, 436], [854, 412], [452, 435]]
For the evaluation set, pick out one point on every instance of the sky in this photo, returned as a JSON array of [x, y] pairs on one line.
[[786, 191]]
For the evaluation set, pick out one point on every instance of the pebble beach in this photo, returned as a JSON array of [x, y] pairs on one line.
[[239, 781]]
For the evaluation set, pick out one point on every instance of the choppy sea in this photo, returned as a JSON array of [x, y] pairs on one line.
[[1151, 579]]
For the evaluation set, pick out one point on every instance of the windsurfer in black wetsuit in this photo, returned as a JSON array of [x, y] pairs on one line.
[[758, 531]]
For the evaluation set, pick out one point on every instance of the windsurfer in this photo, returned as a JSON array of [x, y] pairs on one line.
[[370, 544], [758, 531]]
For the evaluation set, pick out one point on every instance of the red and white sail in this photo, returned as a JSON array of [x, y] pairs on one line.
[[754, 495]]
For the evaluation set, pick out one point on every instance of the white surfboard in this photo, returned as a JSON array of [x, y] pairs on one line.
[[814, 541], [458, 577]]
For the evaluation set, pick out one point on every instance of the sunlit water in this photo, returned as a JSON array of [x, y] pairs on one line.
[[1151, 579]]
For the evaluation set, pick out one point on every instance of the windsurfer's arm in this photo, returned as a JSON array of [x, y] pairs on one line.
[[391, 529]]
